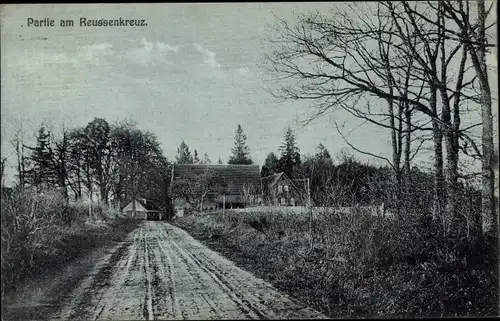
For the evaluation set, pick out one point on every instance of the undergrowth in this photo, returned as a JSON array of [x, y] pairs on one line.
[[355, 265], [43, 231]]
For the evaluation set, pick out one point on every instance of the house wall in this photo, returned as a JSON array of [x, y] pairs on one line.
[[138, 207], [284, 193], [213, 203]]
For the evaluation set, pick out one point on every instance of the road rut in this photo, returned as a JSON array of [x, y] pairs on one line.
[[161, 272]]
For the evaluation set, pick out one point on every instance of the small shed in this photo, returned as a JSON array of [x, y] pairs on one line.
[[145, 209]]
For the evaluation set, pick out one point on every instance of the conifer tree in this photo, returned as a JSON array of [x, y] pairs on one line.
[[196, 159], [322, 152], [206, 159], [270, 166], [290, 156], [241, 152], [42, 170], [183, 154]]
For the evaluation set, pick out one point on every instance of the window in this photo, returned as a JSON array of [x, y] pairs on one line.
[[283, 202], [286, 188], [280, 188], [292, 201]]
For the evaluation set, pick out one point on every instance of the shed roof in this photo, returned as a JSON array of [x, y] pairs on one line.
[[236, 176]]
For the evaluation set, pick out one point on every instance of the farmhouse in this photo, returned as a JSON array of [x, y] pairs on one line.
[[279, 189], [145, 209], [241, 186]]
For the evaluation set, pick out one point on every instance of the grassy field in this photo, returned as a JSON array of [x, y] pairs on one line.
[[41, 232], [352, 265]]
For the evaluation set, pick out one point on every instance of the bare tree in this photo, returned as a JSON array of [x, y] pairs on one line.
[[473, 37], [334, 62], [17, 143]]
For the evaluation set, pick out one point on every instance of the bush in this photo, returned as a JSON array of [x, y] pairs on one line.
[[40, 226], [354, 264]]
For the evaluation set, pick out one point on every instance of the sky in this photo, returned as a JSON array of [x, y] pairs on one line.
[[193, 74]]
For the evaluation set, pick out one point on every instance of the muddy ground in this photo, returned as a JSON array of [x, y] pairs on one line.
[[158, 272]]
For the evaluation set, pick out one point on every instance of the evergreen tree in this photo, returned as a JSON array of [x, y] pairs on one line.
[[183, 154], [241, 152], [322, 152], [270, 166], [196, 159], [289, 161], [206, 159], [219, 161], [42, 170]]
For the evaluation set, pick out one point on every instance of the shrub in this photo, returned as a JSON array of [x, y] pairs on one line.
[[34, 227], [354, 263]]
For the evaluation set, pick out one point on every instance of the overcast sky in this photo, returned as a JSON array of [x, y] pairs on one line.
[[191, 74]]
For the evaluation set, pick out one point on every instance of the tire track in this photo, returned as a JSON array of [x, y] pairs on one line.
[[161, 272], [256, 294], [249, 310], [164, 270], [194, 278], [148, 304], [99, 282], [276, 304]]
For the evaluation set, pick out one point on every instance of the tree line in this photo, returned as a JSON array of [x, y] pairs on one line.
[[240, 152], [109, 163]]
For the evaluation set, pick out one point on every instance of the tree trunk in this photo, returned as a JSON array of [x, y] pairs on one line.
[[79, 183], [223, 204], [407, 149], [396, 159], [451, 173], [90, 201], [102, 187], [488, 209], [134, 208], [438, 195]]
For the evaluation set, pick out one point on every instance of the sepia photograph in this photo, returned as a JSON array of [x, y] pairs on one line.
[[251, 160]]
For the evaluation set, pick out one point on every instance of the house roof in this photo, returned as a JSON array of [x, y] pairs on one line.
[[300, 184], [148, 204], [236, 176], [271, 179]]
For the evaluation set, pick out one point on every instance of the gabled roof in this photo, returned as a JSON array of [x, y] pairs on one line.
[[300, 184], [236, 176], [149, 205], [271, 179]]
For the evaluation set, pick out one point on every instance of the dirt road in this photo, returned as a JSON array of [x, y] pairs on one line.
[[161, 272]]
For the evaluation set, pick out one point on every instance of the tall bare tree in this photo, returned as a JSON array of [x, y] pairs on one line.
[[473, 36], [17, 143], [333, 61]]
